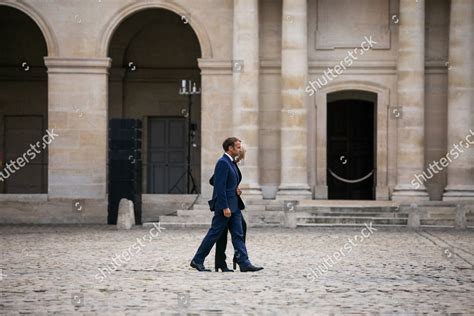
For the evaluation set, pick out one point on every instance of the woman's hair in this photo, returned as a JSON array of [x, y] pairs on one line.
[[241, 155]]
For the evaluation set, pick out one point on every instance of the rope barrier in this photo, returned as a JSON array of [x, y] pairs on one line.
[[350, 181]]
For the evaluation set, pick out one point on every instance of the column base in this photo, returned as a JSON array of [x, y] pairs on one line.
[[408, 194], [458, 192], [294, 192], [382, 193], [252, 191], [321, 192]]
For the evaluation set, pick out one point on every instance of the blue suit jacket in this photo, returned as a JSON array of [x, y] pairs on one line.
[[226, 180]]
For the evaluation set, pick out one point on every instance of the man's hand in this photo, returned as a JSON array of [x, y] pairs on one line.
[[239, 191], [227, 212]]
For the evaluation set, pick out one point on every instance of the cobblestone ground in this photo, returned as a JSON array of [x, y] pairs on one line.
[[54, 269]]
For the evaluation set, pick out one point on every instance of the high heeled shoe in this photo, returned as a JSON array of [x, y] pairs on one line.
[[224, 268]]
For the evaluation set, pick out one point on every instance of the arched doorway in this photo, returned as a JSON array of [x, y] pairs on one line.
[[351, 145], [152, 51], [23, 104]]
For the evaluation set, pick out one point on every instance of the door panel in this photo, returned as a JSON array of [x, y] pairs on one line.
[[167, 155]]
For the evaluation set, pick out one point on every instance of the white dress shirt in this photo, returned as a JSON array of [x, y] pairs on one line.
[[232, 159]]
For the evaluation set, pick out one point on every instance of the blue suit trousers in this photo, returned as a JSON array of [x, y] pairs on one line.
[[218, 226]]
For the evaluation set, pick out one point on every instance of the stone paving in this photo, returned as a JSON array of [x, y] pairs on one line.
[[394, 271]]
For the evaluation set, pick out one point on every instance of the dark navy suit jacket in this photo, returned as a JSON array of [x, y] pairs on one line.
[[239, 199], [226, 179]]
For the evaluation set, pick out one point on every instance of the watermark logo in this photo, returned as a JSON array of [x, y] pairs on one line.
[[78, 111], [237, 65], [333, 72], [25, 66], [25, 252], [186, 18], [396, 112], [78, 205], [35, 149], [2, 275], [434, 167], [395, 19], [124, 257], [77, 299], [290, 205], [448, 253], [337, 256], [184, 112], [132, 66], [183, 299]]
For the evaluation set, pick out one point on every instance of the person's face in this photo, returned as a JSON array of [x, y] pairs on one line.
[[235, 150]]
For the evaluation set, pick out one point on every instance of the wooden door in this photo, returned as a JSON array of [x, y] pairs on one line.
[[167, 155]]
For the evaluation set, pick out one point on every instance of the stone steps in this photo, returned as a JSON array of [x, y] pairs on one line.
[[337, 220], [347, 225], [309, 213], [344, 214], [355, 214], [200, 207], [259, 218], [185, 219], [185, 225], [203, 218], [337, 207], [194, 212], [437, 222], [470, 219], [440, 215]]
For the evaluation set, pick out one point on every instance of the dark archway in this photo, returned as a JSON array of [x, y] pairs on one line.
[[351, 154], [152, 51], [23, 104]]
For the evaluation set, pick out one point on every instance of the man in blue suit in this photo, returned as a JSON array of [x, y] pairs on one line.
[[226, 210]]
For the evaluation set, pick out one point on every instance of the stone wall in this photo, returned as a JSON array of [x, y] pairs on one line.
[[86, 86]]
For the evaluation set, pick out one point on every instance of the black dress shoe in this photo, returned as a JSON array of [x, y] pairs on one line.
[[223, 268], [250, 268], [199, 266]]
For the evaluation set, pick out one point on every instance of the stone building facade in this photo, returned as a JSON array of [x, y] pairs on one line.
[[333, 99]]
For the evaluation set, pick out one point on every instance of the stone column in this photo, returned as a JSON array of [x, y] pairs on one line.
[[77, 112], [216, 104], [460, 101], [294, 72], [411, 98], [245, 78]]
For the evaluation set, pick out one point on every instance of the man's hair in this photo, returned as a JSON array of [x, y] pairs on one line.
[[229, 142]]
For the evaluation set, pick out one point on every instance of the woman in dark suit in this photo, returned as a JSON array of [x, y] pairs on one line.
[[221, 244]]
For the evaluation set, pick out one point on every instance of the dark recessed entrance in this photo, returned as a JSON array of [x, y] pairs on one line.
[[152, 51], [23, 105], [350, 150]]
